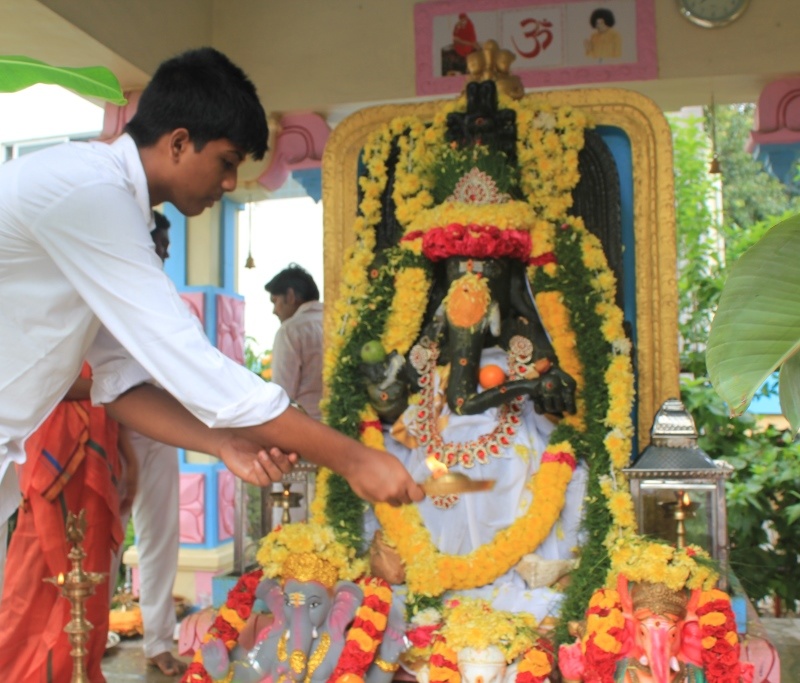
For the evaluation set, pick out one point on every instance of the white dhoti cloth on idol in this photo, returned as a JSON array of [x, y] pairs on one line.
[[476, 518]]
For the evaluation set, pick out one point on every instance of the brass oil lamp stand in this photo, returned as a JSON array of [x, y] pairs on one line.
[[680, 510], [76, 587], [286, 500]]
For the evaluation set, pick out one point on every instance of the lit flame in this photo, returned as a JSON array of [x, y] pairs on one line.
[[60, 579], [685, 500], [437, 468]]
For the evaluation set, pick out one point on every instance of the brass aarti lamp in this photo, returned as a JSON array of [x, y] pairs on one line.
[[680, 509], [76, 587]]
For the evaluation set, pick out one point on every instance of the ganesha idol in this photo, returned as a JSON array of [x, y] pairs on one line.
[[329, 620], [647, 632]]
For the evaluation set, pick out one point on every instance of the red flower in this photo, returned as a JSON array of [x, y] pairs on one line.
[[195, 673], [422, 636]]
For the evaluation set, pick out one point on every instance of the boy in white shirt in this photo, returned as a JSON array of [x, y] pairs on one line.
[[80, 280]]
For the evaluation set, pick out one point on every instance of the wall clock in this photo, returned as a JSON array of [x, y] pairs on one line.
[[712, 13]]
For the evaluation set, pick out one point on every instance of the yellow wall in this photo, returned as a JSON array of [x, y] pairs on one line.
[[323, 54], [203, 248]]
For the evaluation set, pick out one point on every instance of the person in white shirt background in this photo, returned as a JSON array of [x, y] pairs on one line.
[[156, 523], [81, 281], [297, 349]]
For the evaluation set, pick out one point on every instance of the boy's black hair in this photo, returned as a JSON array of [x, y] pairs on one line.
[[602, 13], [296, 278], [204, 92]]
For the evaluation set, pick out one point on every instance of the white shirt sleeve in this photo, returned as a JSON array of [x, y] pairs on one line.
[[110, 262]]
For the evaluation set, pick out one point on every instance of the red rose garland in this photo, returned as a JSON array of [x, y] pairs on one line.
[[475, 241], [237, 608]]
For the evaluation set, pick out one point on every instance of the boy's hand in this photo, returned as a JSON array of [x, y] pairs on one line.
[[251, 462], [379, 477]]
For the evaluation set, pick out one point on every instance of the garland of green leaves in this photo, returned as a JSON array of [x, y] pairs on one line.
[[573, 281], [344, 508]]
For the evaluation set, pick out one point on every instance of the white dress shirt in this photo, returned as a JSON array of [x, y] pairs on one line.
[[79, 278], [297, 357]]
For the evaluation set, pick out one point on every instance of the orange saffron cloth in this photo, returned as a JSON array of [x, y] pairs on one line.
[[72, 464]]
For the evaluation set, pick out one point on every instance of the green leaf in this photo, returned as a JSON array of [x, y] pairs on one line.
[[789, 391], [17, 73], [757, 326]]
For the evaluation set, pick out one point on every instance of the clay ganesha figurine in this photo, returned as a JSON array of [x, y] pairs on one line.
[[319, 615], [657, 631]]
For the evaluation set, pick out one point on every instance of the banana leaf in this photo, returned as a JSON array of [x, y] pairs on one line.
[[17, 73], [757, 326]]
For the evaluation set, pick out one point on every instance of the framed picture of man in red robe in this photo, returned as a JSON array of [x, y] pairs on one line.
[[555, 43]]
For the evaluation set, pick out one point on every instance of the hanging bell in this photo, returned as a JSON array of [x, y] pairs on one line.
[[250, 262], [715, 167]]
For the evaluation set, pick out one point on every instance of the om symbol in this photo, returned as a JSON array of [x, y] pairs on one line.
[[540, 34]]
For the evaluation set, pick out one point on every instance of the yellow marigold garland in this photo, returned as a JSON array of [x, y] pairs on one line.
[[413, 288], [549, 173], [431, 572]]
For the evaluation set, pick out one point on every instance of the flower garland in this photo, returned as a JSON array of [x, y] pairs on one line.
[[475, 240], [602, 644], [366, 633], [595, 352], [431, 572], [443, 664], [422, 632], [311, 549], [471, 622], [720, 641], [227, 626], [640, 559], [476, 624]]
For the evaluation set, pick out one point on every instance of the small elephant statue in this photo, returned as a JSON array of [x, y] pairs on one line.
[[303, 643]]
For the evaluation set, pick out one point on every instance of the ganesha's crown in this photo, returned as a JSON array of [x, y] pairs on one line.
[[659, 599], [307, 567], [308, 552]]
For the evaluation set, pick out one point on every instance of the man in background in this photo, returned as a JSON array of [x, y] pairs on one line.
[[297, 350], [156, 522]]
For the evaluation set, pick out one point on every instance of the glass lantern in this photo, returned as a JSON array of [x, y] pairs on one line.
[[678, 490]]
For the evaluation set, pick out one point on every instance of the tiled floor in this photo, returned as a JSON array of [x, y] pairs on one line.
[[125, 663]]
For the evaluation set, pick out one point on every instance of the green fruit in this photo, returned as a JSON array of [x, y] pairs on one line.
[[372, 352]]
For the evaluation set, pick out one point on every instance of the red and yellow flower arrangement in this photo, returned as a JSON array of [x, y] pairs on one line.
[[720, 641], [476, 624]]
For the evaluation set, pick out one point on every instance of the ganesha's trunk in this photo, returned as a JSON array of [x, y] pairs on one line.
[[660, 655], [299, 645]]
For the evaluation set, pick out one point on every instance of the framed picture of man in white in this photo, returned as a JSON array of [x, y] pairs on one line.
[[554, 43]]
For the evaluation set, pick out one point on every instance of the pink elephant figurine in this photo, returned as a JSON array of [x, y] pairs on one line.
[[666, 637]]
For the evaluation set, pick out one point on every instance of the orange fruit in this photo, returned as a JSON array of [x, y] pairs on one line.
[[491, 376]]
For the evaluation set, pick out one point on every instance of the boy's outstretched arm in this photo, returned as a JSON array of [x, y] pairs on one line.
[[375, 476], [155, 413], [257, 454]]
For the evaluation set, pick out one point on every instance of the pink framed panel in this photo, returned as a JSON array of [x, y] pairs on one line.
[[553, 41]]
